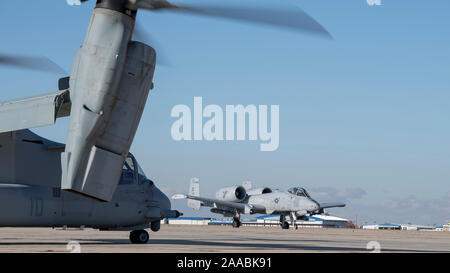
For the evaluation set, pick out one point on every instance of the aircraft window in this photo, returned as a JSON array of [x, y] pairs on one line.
[[130, 163], [127, 176], [306, 193], [140, 171], [299, 192], [126, 167]]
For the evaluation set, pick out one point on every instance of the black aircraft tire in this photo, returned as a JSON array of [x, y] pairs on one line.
[[133, 237], [139, 237], [285, 225], [236, 223]]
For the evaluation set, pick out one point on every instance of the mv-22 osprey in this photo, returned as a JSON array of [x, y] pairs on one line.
[[236, 200], [104, 96]]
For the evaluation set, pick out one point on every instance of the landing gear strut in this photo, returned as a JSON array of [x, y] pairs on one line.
[[294, 220], [236, 222], [139, 237]]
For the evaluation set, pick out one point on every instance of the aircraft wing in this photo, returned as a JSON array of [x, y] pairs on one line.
[[34, 111], [209, 202], [331, 205]]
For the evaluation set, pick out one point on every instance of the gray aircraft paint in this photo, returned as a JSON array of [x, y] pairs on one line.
[[109, 84], [30, 194], [229, 202], [111, 77], [283, 202], [34, 111]]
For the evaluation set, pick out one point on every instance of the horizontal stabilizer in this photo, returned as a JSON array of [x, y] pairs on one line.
[[247, 185], [179, 196], [34, 111]]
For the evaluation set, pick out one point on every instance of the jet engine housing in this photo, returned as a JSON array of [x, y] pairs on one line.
[[259, 191], [232, 194]]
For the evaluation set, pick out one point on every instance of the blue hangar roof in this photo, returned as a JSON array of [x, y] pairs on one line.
[[388, 225]]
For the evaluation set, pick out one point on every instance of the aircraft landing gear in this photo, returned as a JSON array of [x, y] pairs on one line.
[[139, 237], [236, 223], [294, 220], [283, 223]]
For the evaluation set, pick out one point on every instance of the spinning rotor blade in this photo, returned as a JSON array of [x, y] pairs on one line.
[[139, 34], [34, 63], [294, 18]]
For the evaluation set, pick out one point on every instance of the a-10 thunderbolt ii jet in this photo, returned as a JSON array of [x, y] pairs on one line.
[[108, 86], [31, 195], [237, 200]]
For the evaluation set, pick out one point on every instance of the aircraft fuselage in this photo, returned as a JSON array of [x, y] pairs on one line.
[[30, 193]]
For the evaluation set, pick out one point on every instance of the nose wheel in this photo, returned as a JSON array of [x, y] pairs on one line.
[[139, 237]]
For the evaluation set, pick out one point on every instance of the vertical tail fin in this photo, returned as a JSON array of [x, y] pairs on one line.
[[247, 185], [194, 190]]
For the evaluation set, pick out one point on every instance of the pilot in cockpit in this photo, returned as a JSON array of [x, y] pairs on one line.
[[299, 192]]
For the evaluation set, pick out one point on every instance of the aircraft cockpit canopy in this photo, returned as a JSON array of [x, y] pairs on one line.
[[132, 172], [299, 192]]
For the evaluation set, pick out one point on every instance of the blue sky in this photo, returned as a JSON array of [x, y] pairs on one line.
[[363, 117]]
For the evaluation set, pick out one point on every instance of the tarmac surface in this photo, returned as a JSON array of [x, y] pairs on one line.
[[188, 238]]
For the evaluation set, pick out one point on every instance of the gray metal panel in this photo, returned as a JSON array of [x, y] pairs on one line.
[[102, 174], [34, 111], [209, 202], [96, 81], [194, 190]]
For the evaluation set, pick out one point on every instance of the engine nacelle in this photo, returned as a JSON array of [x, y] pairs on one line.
[[232, 194], [109, 84], [259, 191]]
